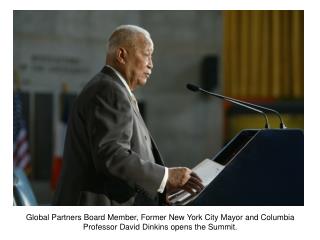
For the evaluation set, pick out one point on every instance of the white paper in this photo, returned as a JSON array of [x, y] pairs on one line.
[[207, 170]]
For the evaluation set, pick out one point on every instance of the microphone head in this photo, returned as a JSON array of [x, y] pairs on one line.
[[192, 87]]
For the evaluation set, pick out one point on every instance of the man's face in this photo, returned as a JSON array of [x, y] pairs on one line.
[[139, 62]]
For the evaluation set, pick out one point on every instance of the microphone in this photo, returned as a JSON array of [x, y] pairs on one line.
[[194, 88], [282, 125]]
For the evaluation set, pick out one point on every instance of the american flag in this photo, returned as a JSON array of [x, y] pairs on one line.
[[21, 155]]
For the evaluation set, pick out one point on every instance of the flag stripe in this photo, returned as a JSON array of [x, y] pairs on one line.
[[24, 161], [21, 154], [22, 158], [21, 138], [23, 148]]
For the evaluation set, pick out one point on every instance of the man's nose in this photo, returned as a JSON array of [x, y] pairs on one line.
[[150, 63]]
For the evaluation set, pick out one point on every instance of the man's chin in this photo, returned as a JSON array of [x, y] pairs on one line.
[[143, 82]]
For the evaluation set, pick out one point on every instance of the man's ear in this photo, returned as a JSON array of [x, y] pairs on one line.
[[121, 55]]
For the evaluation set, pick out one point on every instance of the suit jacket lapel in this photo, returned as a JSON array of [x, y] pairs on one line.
[[107, 70]]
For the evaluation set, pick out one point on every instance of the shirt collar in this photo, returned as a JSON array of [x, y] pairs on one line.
[[122, 80]]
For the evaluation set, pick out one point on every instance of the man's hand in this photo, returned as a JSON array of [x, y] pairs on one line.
[[182, 178]]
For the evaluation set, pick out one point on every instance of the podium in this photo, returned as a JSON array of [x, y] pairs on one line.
[[261, 167]]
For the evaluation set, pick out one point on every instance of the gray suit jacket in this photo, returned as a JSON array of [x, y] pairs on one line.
[[109, 156]]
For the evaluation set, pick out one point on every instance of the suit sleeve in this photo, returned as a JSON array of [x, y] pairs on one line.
[[110, 132]]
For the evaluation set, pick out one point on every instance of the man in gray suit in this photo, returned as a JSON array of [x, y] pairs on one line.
[[110, 157]]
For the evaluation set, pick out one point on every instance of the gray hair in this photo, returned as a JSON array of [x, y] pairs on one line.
[[125, 35]]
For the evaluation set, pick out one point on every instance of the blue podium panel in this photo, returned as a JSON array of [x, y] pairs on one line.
[[261, 168]]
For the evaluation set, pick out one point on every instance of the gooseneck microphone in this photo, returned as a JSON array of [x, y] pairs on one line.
[[194, 88]]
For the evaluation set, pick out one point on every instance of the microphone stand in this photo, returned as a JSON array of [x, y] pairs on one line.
[[267, 125], [234, 101]]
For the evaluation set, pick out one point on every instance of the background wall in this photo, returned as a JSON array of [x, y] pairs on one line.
[[64, 49]]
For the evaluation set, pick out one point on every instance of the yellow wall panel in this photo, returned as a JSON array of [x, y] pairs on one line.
[[263, 54]]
